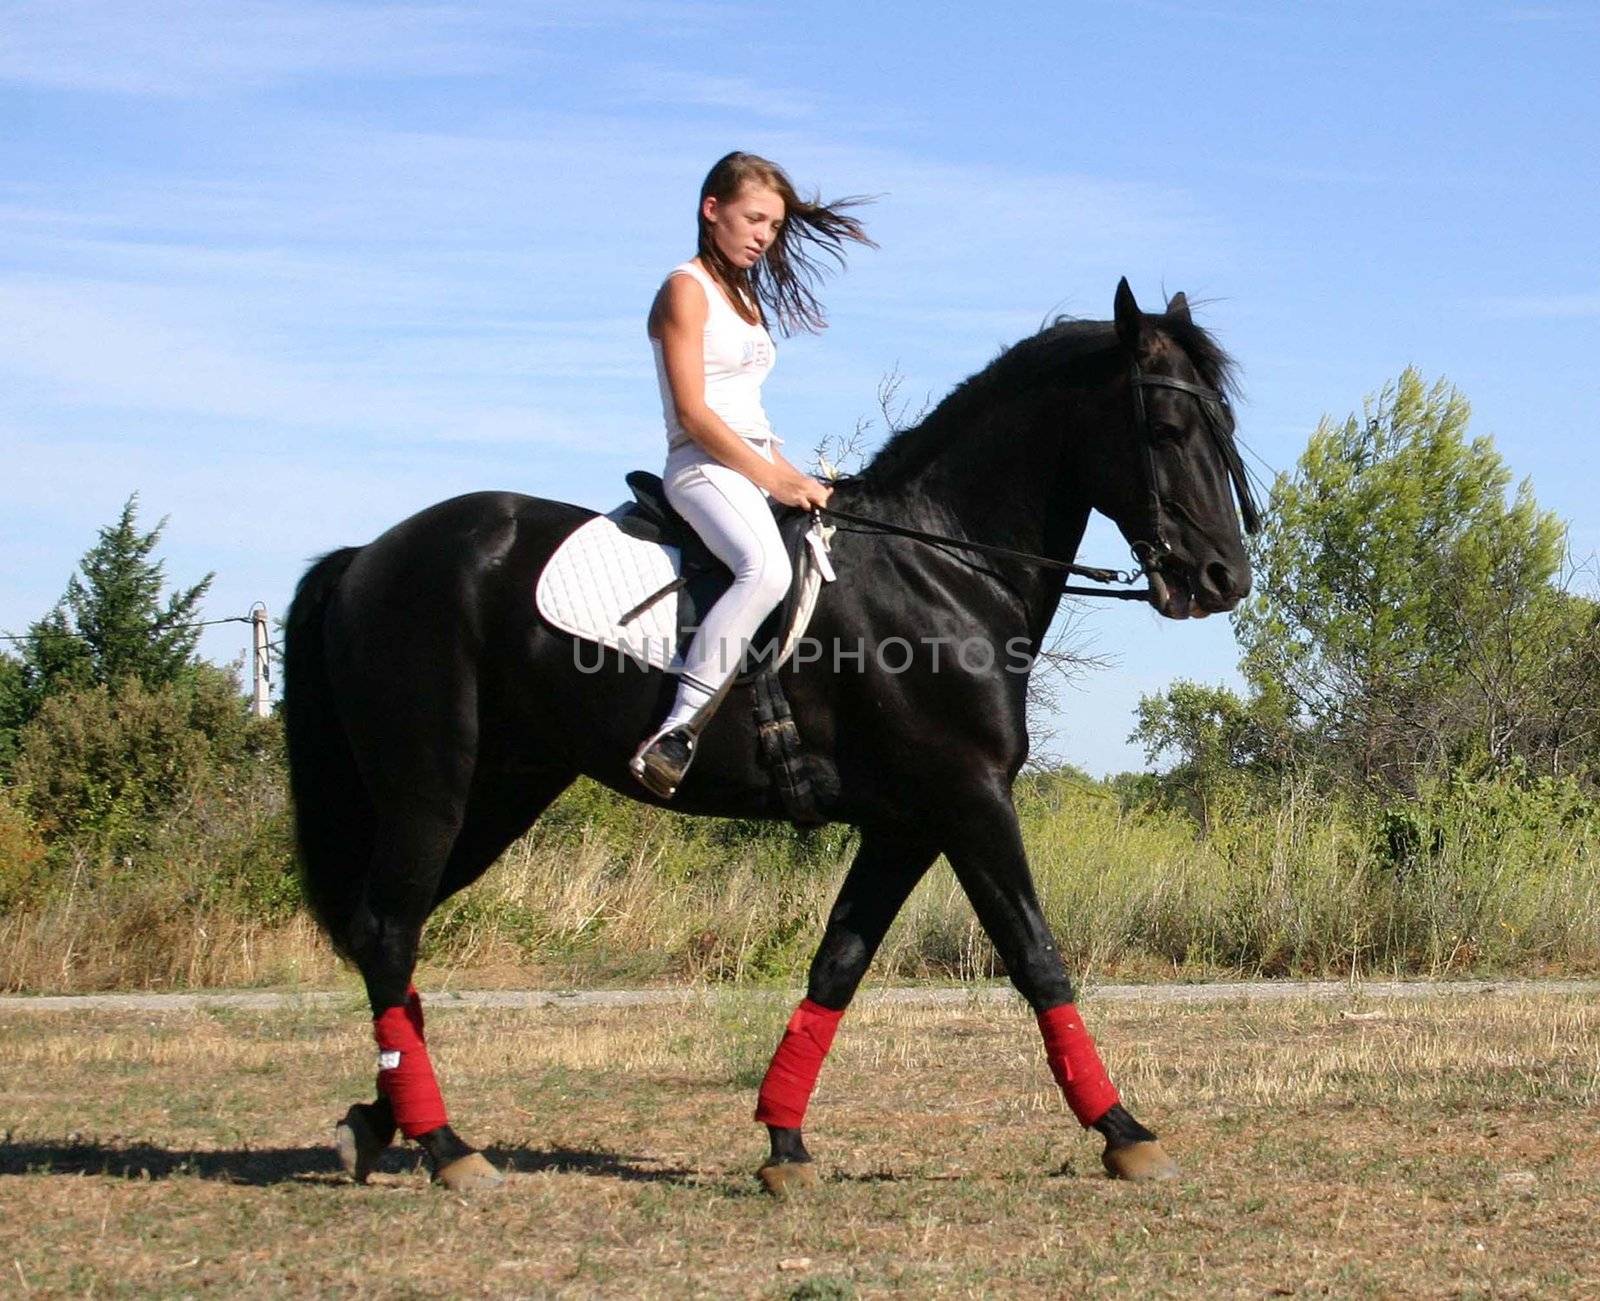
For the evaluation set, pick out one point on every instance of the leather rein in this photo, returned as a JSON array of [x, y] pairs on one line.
[[1148, 555]]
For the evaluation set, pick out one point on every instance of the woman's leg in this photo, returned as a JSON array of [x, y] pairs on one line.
[[734, 519]]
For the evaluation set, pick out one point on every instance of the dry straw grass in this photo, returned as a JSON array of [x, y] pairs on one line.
[[1383, 1149], [604, 892], [143, 937]]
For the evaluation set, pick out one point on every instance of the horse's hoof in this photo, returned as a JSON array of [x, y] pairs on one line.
[[784, 1179], [470, 1174], [1140, 1162], [358, 1144]]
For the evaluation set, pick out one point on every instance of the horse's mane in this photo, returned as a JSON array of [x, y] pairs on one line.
[[1059, 351]]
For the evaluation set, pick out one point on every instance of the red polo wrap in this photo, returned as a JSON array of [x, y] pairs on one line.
[[793, 1074], [1076, 1065], [410, 1086]]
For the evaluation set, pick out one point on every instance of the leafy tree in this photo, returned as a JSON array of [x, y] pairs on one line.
[[112, 625], [1544, 707], [1215, 738], [13, 713], [1403, 601], [103, 764], [116, 609], [22, 852]]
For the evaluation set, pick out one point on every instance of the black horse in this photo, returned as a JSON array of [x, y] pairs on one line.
[[433, 715]]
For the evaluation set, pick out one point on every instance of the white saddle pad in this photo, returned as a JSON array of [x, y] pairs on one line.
[[601, 573]]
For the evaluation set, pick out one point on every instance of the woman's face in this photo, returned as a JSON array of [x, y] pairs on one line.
[[744, 226]]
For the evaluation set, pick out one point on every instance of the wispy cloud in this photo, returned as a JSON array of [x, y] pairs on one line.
[[1327, 174], [183, 48], [1582, 305], [1541, 14], [111, 349], [375, 277], [681, 88], [312, 324]]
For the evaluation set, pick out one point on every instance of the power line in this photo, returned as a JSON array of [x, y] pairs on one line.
[[262, 648], [78, 636]]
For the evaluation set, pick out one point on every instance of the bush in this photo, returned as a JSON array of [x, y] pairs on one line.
[[104, 766], [22, 852]]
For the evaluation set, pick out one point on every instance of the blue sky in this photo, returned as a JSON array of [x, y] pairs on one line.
[[293, 270]]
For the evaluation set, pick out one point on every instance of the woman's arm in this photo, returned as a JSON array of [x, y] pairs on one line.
[[678, 320], [780, 459]]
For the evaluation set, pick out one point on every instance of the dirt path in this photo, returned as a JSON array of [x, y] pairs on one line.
[[1255, 991]]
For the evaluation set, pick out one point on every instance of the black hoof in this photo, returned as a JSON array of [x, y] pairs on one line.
[[361, 1138]]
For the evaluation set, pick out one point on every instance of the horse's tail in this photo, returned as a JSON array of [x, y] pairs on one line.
[[332, 812]]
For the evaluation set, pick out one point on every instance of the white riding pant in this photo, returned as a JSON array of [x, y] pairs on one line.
[[734, 519]]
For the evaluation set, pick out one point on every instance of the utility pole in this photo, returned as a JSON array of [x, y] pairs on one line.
[[260, 672]]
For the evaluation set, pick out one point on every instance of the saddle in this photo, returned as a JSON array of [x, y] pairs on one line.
[[702, 578], [638, 578]]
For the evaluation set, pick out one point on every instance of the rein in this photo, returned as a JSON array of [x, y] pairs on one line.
[[1094, 575], [1148, 555]]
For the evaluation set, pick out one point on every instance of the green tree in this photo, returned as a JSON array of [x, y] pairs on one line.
[[1215, 739], [1403, 599], [112, 625], [116, 608], [12, 711], [104, 764]]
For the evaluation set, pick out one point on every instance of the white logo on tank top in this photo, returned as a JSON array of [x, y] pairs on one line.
[[757, 352]]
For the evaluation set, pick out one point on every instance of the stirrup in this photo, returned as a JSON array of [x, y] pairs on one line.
[[662, 760]]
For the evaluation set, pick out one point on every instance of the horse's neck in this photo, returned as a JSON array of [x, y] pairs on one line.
[[994, 479], [1002, 479]]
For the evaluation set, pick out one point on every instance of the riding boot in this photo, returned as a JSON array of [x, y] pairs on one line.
[[664, 757]]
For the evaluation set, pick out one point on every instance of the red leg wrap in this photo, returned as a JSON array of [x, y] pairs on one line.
[[1076, 1065], [405, 1075], [793, 1074]]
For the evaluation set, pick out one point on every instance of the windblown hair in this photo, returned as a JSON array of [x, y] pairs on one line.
[[784, 282]]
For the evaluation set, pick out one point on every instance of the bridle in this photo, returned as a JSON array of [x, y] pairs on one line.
[[1217, 416]]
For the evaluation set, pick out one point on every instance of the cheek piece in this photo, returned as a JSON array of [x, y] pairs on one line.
[[793, 1074], [1076, 1065], [405, 1075]]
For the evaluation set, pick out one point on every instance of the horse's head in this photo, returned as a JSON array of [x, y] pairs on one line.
[[1174, 466]]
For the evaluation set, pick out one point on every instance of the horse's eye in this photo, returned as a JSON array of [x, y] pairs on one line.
[[1163, 432]]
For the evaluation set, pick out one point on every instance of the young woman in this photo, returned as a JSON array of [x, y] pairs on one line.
[[708, 331]]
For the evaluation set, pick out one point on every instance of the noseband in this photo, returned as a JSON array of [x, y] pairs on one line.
[[1218, 418]]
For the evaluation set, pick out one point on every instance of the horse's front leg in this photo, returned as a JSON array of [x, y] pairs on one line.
[[887, 867], [985, 849]]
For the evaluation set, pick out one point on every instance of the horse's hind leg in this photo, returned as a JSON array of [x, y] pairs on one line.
[[499, 810], [409, 857], [886, 868]]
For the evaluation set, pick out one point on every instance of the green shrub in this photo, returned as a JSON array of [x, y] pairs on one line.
[[104, 766], [22, 852]]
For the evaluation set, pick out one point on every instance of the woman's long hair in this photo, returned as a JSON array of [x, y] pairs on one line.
[[783, 281]]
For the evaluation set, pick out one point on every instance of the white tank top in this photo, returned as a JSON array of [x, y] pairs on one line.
[[738, 358]]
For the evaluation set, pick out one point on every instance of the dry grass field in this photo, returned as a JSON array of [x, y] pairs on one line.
[[1444, 1147]]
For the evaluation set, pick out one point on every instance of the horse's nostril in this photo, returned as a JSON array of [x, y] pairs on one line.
[[1219, 580]]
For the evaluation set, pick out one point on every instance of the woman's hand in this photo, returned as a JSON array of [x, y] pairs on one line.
[[792, 488]]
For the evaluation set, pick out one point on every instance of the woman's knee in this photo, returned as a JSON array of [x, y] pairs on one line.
[[769, 580]]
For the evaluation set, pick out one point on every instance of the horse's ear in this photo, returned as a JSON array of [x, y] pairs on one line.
[[1129, 319], [1178, 308]]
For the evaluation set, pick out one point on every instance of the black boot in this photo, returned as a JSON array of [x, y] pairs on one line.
[[662, 760]]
